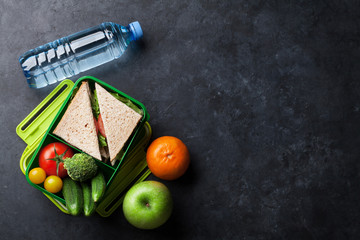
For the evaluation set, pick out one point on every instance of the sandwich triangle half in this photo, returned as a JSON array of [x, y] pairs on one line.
[[77, 126], [119, 121]]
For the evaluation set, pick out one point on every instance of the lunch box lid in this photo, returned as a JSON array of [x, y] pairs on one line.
[[34, 126]]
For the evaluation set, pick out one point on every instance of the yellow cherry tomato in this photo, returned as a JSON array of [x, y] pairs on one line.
[[37, 175], [53, 184]]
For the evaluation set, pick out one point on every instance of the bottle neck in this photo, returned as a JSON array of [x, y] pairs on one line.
[[125, 34], [132, 34]]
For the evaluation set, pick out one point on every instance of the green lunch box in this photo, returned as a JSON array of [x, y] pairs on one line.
[[36, 130]]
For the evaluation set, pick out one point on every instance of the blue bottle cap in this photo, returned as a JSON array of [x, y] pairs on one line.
[[136, 30]]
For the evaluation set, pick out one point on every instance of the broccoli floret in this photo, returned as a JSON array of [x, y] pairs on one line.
[[80, 167]]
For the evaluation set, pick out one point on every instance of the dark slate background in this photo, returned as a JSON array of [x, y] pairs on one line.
[[265, 94]]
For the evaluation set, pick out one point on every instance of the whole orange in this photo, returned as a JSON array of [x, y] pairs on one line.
[[168, 158]]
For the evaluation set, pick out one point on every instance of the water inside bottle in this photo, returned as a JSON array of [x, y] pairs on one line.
[[71, 55]]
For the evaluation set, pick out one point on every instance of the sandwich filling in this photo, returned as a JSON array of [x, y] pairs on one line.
[[104, 151]]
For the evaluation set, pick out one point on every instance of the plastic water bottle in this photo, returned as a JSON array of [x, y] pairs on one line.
[[76, 53]]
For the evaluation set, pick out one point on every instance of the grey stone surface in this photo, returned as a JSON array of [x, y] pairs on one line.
[[265, 94]]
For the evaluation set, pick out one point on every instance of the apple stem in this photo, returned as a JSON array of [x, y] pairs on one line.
[[147, 205]]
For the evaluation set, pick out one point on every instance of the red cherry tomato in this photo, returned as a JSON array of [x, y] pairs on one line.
[[50, 158], [101, 126]]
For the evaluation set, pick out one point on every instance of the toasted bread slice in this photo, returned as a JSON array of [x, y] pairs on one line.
[[77, 126], [119, 121]]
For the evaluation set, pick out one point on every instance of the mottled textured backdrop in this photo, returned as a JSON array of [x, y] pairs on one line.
[[266, 95]]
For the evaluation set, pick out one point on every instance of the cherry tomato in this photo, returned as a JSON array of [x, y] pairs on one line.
[[50, 158], [101, 126], [37, 175], [53, 184]]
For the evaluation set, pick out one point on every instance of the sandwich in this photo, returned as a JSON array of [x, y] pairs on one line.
[[119, 118], [99, 122], [77, 126]]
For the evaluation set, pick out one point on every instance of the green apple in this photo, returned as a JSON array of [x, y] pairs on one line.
[[147, 205]]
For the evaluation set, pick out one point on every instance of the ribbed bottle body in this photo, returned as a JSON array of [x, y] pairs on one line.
[[73, 54]]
